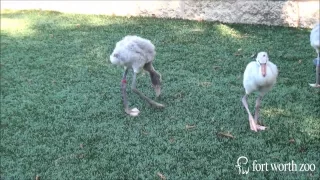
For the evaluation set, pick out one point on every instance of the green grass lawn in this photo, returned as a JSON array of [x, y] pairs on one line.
[[62, 116]]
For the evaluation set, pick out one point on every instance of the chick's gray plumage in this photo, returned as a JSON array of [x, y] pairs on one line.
[[133, 52], [136, 53]]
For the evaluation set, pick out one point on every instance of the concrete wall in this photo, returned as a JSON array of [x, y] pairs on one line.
[[296, 13]]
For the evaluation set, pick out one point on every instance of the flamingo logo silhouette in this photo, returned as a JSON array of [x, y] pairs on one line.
[[239, 162]]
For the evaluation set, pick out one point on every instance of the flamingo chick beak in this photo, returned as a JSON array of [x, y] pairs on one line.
[[263, 69]]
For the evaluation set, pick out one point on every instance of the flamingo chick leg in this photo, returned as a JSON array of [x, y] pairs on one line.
[[257, 110], [135, 90], [253, 124], [155, 77], [131, 112], [317, 84], [317, 71]]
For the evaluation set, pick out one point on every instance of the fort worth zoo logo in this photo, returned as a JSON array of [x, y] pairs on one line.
[[244, 167]]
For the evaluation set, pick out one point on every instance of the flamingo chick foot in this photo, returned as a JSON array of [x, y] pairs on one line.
[[132, 112], [254, 126], [315, 85], [157, 89], [157, 105], [260, 128]]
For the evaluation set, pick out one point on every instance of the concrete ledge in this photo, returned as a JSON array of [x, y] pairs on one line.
[[294, 13]]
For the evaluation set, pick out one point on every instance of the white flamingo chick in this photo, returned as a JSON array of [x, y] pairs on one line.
[[315, 43], [136, 53], [260, 75]]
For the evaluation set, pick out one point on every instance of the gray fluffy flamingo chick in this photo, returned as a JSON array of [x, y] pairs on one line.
[[315, 43], [136, 53], [260, 75]]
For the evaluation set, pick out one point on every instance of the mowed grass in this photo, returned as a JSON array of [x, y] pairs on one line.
[[62, 116]]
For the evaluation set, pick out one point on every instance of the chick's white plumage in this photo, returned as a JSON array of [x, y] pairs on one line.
[[259, 75], [315, 43], [253, 79], [315, 38]]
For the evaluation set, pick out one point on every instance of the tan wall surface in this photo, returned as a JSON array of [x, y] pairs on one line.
[[303, 13]]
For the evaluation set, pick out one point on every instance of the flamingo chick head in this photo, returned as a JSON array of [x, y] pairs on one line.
[[120, 55], [262, 59], [115, 58]]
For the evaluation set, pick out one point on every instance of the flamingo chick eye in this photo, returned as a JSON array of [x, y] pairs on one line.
[[116, 55]]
